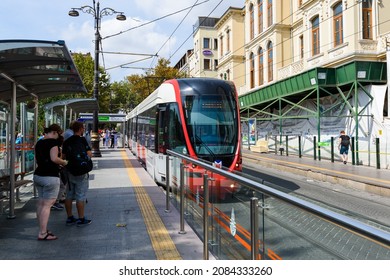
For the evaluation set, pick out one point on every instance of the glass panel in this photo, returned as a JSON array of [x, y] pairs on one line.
[[285, 230], [4, 145]]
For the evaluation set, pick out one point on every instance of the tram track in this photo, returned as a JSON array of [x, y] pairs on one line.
[[336, 198]]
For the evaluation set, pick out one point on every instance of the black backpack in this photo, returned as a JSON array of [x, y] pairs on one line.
[[79, 163], [345, 140]]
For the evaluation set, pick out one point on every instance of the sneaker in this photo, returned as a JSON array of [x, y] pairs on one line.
[[83, 222], [57, 206], [71, 221]]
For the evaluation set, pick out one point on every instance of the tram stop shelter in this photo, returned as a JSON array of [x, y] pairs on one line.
[[30, 70], [64, 111]]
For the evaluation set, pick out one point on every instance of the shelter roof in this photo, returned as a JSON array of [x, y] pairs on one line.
[[78, 105], [38, 68]]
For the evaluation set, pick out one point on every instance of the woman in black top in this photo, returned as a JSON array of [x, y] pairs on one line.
[[47, 177]]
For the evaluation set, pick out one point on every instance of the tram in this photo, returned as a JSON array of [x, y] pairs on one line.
[[198, 117]]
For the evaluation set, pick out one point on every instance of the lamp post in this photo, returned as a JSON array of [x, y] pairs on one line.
[[97, 14]]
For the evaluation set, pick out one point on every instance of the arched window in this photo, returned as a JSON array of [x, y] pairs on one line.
[[260, 15], [270, 62], [228, 41], [338, 24], [301, 47], [252, 70], [252, 22], [261, 66], [367, 19], [221, 46], [269, 13], [315, 35]]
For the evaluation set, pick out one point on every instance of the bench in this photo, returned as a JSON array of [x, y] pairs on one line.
[[19, 182], [260, 147], [2, 198]]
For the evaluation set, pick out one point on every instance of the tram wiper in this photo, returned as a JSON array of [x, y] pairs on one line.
[[204, 145]]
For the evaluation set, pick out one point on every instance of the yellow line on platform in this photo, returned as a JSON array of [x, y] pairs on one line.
[[162, 243]]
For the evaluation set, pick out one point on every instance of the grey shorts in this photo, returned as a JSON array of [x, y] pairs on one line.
[[47, 187], [77, 187]]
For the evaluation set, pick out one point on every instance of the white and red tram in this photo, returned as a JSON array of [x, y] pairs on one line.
[[198, 117]]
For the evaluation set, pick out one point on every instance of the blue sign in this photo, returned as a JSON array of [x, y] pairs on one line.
[[207, 52]]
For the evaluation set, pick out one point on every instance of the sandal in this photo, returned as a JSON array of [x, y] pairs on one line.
[[48, 237]]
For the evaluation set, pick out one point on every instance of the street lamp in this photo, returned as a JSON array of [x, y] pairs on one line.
[[97, 14]]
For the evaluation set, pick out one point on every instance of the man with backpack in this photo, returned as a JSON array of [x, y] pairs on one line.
[[344, 144], [78, 154]]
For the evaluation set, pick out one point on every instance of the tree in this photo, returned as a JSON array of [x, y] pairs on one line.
[[143, 85]]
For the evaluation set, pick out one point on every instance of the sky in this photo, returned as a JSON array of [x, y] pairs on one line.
[[162, 27]]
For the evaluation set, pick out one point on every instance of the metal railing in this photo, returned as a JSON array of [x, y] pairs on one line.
[[239, 218]]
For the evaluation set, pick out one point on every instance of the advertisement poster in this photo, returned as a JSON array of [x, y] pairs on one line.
[[252, 131]]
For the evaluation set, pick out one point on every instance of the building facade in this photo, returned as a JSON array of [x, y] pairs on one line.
[[204, 59], [315, 67], [231, 54]]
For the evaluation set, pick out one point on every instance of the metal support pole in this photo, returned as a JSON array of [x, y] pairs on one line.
[[286, 145], [332, 149], [206, 217], [378, 154], [353, 150], [315, 147], [36, 112], [11, 213], [182, 231], [167, 186], [300, 146], [95, 138], [254, 216]]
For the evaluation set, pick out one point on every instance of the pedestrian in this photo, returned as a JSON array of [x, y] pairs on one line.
[[47, 177], [69, 131], [107, 137], [78, 184], [344, 144], [112, 137]]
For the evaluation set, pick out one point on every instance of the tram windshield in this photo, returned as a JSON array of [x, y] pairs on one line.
[[211, 121]]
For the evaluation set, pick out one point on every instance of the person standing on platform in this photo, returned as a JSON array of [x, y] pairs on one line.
[[344, 144], [69, 131], [112, 137], [78, 184], [47, 177]]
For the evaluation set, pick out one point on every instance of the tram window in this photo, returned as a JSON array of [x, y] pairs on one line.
[[175, 136], [161, 128]]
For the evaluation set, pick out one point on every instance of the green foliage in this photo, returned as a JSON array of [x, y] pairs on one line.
[[143, 85]]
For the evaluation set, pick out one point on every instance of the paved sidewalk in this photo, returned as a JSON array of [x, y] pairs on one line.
[[118, 230]]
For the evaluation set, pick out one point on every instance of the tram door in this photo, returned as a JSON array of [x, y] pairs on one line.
[[160, 159]]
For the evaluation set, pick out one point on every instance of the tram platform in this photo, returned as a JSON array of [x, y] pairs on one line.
[[129, 221], [127, 208], [364, 178]]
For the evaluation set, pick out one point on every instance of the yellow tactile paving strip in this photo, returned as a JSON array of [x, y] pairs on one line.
[[162, 243]]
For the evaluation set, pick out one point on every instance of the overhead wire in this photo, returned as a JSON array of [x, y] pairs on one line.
[[149, 22], [157, 19], [173, 32], [194, 31]]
